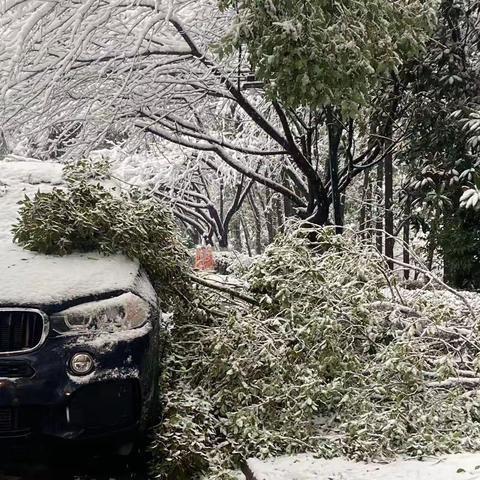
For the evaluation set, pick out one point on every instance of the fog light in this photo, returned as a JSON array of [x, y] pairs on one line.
[[81, 363]]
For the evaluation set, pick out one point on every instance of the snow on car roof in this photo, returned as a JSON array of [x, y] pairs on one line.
[[27, 170], [19, 178], [32, 279]]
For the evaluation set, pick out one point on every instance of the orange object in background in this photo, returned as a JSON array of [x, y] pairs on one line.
[[204, 258]]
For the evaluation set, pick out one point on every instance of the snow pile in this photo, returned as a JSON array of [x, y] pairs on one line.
[[306, 467], [17, 170], [232, 262], [34, 279]]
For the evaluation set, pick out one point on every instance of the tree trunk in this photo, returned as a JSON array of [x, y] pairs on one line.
[[208, 238], [389, 233], [379, 210], [362, 220], [287, 202], [236, 235], [278, 209], [406, 240], [195, 235], [432, 244], [343, 204], [3, 146], [222, 236], [321, 215], [247, 236], [257, 222], [270, 225], [269, 220], [334, 136], [287, 207], [222, 200]]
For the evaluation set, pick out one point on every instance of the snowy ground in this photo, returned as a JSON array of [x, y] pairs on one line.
[[305, 467]]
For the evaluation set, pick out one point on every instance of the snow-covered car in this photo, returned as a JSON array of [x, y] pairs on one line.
[[79, 334]]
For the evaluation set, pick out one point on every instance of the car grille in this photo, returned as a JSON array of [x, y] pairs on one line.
[[16, 421], [7, 420], [15, 370], [20, 330]]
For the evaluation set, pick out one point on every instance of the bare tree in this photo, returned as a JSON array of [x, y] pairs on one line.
[[198, 207]]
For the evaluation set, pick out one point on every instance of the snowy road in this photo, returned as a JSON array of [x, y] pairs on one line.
[[306, 467]]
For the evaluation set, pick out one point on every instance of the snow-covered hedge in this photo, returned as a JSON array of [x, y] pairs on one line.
[[334, 361]]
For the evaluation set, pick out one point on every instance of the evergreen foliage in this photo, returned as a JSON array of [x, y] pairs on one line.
[[91, 215], [321, 53], [441, 155]]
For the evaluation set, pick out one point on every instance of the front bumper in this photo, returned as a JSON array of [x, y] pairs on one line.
[[116, 398]]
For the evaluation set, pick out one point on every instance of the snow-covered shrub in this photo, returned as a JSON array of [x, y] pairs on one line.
[[470, 199], [328, 363], [92, 214], [232, 262]]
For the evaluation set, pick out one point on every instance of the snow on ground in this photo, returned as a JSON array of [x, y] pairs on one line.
[[305, 467], [33, 279]]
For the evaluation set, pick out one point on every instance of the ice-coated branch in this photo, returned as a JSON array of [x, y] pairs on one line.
[[206, 146]]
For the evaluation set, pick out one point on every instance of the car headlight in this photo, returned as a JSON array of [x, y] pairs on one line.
[[124, 312]]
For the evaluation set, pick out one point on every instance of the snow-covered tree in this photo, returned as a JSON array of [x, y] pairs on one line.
[[76, 74], [205, 195]]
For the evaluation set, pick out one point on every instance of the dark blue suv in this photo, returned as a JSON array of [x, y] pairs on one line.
[[79, 335]]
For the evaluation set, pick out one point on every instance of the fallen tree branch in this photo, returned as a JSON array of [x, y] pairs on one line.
[[455, 382], [427, 273], [222, 288], [391, 306], [440, 282]]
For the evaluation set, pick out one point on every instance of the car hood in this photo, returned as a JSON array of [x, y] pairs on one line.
[[36, 280]]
